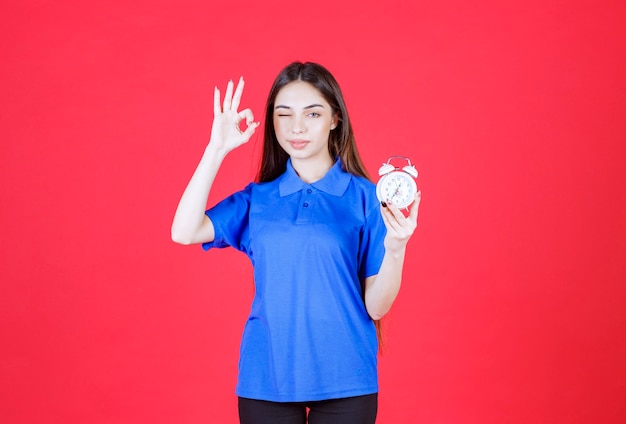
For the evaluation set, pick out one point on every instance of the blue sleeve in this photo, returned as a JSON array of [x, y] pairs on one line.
[[231, 223], [372, 248]]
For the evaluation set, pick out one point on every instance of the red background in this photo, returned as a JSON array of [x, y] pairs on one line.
[[512, 307]]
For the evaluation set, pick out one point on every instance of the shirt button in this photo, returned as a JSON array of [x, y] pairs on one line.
[[309, 191], [306, 205]]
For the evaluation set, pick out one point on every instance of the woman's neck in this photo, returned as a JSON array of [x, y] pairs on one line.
[[311, 171]]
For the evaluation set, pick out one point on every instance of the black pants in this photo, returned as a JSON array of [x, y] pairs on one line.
[[352, 410]]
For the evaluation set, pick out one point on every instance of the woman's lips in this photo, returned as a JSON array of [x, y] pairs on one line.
[[298, 144]]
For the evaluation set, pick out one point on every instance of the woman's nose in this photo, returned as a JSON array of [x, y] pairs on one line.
[[298, 125]]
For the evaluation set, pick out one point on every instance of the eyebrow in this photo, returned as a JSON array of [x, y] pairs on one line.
[[306, 107]]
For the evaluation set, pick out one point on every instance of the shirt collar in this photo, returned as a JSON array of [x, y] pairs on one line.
[[335, 182]]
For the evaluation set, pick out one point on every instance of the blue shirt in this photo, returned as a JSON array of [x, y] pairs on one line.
[[308, 336]]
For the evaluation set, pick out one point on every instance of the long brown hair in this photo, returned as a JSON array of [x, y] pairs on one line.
[[341, 142]]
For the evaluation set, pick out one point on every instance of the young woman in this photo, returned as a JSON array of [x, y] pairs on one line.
[[327, 255]]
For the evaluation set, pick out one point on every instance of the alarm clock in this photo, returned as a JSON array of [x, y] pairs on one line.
[[397, 185]]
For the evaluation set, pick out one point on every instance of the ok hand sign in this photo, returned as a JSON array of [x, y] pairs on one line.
[[226, 133]]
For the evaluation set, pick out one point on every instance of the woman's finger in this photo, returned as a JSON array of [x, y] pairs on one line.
[[217, 109], [391, 221], [247, 115], [395, 211], [250, 130], [415, 207], [228, 96], [237, 96]]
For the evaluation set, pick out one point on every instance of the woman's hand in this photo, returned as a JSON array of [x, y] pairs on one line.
[[399, 228], [226, 133], [381, 289]]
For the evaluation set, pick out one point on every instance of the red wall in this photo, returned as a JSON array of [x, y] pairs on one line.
[[512, 308]]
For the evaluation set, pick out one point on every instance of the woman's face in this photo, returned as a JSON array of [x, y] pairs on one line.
[[303, 121]]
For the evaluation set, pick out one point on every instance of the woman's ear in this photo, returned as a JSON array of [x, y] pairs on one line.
[[334, 122]]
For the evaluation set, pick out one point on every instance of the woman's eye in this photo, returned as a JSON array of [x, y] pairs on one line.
[[314, 114]]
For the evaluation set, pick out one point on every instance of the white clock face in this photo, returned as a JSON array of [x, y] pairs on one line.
[[397, 187]]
